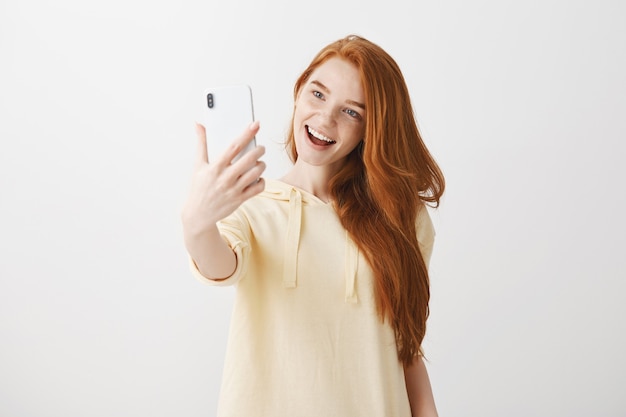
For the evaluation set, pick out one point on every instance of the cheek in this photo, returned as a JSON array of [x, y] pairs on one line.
[[298, 112], [297, 123], [355, 133]]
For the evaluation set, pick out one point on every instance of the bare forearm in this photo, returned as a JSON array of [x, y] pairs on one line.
[[419, 390], [213, 257], [216, 191]]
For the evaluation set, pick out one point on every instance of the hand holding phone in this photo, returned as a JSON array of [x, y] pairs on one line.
[[224, 178], [217, 189]]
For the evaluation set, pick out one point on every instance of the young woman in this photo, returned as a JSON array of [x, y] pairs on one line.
[[330, 261]]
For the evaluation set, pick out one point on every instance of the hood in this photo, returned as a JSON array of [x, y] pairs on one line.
[[296, 198]]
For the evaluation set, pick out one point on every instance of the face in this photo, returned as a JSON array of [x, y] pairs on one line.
[[329, 117]]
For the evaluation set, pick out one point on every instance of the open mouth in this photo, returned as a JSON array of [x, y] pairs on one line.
[[319, 139]]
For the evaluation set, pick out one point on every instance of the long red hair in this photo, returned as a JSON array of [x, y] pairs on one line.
[[382, 186]]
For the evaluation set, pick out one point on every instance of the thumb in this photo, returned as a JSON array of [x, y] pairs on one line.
[[202, 156]]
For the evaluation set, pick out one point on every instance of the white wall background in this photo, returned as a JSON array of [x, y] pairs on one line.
[[522, 102]]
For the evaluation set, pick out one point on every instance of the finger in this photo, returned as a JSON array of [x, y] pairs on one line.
[[202, 156], [253, 189], [252, 175], [249, 159], [234, 173], [241, 142]]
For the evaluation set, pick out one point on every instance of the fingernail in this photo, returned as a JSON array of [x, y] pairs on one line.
[[254, 125]]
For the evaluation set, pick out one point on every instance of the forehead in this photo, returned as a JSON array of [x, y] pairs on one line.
[[339, 76]]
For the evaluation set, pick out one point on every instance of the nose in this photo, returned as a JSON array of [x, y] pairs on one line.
[[328, 116]]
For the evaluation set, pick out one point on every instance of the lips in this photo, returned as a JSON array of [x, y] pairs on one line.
[[319, 138]]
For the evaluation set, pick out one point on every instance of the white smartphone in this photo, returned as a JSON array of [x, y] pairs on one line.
[[227, 111]]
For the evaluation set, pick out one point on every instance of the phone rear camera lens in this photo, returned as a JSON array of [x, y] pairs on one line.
[[209, 100]]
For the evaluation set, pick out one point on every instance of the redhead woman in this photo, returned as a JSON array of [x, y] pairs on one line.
[[329, 261]]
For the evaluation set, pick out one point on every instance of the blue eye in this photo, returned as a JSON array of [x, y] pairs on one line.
[[352, 113], [318, 94]]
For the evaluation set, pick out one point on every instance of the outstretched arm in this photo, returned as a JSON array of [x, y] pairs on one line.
[[419, 390], [218, 188]]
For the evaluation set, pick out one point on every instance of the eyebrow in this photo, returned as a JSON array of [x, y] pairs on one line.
[[327, 90]]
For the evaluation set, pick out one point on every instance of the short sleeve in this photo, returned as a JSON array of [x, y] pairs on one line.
[[235, 230], [425, 234]]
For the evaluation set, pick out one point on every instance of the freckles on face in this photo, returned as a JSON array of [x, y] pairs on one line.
[[329, 117]]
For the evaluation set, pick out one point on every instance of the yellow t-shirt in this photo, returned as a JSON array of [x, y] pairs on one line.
[[305, 338]]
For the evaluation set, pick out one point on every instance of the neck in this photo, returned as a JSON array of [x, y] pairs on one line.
[[312, 179]]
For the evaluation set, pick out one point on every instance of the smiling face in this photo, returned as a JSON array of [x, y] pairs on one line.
[[329, 117]]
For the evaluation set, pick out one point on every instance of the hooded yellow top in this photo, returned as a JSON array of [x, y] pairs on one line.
[[305, 338]]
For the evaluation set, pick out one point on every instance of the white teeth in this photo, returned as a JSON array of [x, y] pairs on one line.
[[319, 135]]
